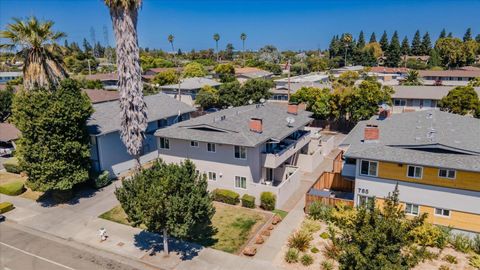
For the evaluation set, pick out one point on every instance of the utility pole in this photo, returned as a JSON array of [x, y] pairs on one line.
[[288, 66], [89, 69]]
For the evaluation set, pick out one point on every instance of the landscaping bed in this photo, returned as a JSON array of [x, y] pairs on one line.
[[11, 184]]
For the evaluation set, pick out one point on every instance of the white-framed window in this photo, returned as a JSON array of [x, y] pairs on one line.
[[446, 173], [240, 182], [193, 143], [414, 171], [240, 152], [412, 209], [369, 168], [164, 143], [211, 147], [212, 176], [442, 212], [363, 200]]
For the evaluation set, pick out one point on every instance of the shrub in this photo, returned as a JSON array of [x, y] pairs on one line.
[[460, 242], [248, 201], [306, 259], [324, 235], [442, 240], [450, 258], [331, 251], [474, 261], [5, 207], [319, 211], [311, 226], [268, 200], [12, 166], [314, 250], [327, 265], [444, 267], [226, 196], [300, 240], [102, 180], [292, 255], [476, 244], [13, 188], [426, 235]]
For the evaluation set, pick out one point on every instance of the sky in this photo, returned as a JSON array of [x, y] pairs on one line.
[[287, 24]]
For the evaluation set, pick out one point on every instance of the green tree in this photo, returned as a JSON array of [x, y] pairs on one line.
[[216, 38], [468, 35], [169, 199], [450, 51], [54, 148], [376, 48], [348, 78], [461, 100], [229, 51], [394, 53], [417, 44], [384, 41], [434, 60], [256, 89], [316, 64], [412, 78], [207, 97], [373, 38], [318, 101], [361, 40], [87, 48], [475, 82], [362, 103], [443, 34], [194, 69], [243, 37], [226, 72], [6, 97], [405, 46], [426, 44], [230, 94], [477, 38], [166, 77]]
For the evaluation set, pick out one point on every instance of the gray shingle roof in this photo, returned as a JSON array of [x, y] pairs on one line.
[[423, 92], [106, 117], [191, 84], [456, 140], [234, 128]]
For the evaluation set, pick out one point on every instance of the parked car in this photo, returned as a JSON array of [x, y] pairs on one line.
[[212, 110]]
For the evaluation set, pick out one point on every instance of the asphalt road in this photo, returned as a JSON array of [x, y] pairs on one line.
[[21, 249]]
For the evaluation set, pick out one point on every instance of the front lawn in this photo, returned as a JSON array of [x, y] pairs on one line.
[[234, 225]]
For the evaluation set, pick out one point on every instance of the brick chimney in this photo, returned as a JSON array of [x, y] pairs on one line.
[[256, 125], [371, 133], [292, 109]]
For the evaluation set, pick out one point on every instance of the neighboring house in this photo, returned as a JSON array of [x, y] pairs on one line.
[[454, 77], [248, 149], [189, 86], [150, 74], [316, 79], [416, 98], [9, 75], [108, 151], [246, 73], [8, 135], [109, 80], [387, 75], [433, 157], [338, 71], [99, 95]]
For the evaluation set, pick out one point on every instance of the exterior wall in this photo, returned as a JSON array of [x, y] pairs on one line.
[[463, 179], [316, 152], [414, 105]]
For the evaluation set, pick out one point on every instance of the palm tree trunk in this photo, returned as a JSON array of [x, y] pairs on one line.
[[165, 241], [216, 47], [133, 107], [42, 70], [243, 47]]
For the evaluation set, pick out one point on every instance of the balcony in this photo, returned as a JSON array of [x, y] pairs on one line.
[[280, 152]]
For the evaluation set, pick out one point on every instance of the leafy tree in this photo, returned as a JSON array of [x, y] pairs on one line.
[[461, 100], [87, 48], [91, 84], [394, 53], [468, 35], [362, 103], [226, 72], [405, 46], [412, 78], [6, 97], [384, 41], [443, 34], [229, 51], [194, 69], [450, 51], [361, 40], [475, 82], [54, 147], [299, 68], [450, 35], [373, 38], [256, 89], [434, 60], [216, 37], [470, 49], [348, 78], [334, 47], [171, 199], [166, 77], [477, 38], [417, 44], [316, 64], [376, 48], [318, 101], [426, 44], [230, 94], [270, 54], [243, 37], [207, 97], [417, 64]]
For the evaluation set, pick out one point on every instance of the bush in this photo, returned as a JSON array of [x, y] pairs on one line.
[[450, 258], [476, 244], [324, 235], [319, 211], [292, 255], [428, 235], [460, 242], [327, 265], [474, 261], [226, 196], [444, 267], [13, 188], [306, 259], [268, 200], [12, 166], [311, 226], [102, 180], [300, 240], [331, 251], [248, 201], [5, 207], [314, 250]]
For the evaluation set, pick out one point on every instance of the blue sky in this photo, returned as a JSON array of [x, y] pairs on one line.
[[288, 24]]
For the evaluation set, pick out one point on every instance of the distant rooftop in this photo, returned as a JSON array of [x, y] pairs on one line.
[[423, 92], [99, 95], [311, 77], [191, 84], [102, 77], [11, 74], [450, 73], [8, 132]]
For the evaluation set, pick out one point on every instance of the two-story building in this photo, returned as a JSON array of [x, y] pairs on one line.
[[433, 157], [248, 149]]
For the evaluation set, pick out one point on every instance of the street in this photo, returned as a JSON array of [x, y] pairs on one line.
[[21, 249]]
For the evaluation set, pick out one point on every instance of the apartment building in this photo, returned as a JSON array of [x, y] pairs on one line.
[[248, 149], [433, 156], [454, 77]]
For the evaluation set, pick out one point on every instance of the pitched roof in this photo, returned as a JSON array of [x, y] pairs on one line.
[[450, 73], [389, 70], [252, 72], [191, 84], [231, 126], [103, 77], [426, 138], [107, 115], [311, 77], [8, 132], [423, 92], [99, 95]]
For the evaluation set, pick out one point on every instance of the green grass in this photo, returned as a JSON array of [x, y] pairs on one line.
[[116, 214], [12, 188], [281, 213]]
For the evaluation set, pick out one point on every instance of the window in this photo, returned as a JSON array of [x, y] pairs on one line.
[[363, 200], [442, 212], [446, 173], [240, 152], [414, 172], [240, 182], [399, 102], [369, 168], [211, 147], [212, 176], [164, 143], [193, 143], [411, 209]]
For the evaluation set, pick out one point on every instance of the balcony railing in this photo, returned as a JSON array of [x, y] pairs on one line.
[[284, 150]]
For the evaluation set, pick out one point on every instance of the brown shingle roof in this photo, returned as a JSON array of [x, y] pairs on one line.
[[389, 70], [98, 95], [450, 73], [247, 70], [8, 132], [102, 77]]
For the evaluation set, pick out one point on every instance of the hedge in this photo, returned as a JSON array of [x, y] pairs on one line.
[[5, 207], [11, 165], [226, 196], [102, 180], [268, 200], [13, 188], [248, 201]]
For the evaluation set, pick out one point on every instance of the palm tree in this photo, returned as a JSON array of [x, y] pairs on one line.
[[347, 38], [412, 78], [43, 66], [243, 37], [216, 37], [171, 38], [124, 14]]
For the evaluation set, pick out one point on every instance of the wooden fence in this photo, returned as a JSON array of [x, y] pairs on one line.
[[309, 199]]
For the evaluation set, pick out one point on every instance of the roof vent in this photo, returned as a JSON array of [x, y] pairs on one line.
[[223, 117]]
